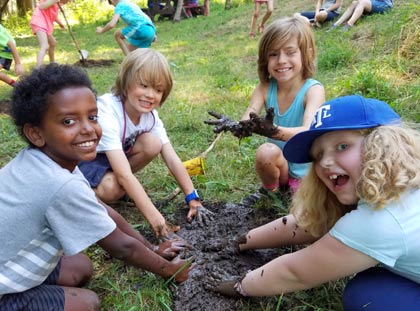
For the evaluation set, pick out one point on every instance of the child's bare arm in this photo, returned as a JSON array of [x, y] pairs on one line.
[[280, 232], [178, 170], [257, 101], [129, 182], [132, 251], [111, 24], [16, 58], [47, 4], [326, 260]]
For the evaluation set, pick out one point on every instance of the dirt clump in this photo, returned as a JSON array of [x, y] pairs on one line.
[[214, 252], [89, 63], [5, 106]]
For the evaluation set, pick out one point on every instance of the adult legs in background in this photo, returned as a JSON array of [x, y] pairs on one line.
[[266, 16]]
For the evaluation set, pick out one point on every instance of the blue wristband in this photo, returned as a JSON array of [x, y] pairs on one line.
[[192, 196]]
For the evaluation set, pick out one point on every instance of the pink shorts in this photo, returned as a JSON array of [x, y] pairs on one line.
[[293, 183], [36, 28]]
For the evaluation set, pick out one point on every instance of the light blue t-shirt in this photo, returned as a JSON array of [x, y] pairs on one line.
[[46, 211], [390, 235], [292, 117], [132, 15]]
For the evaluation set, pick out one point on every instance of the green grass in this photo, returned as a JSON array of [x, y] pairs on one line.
[[214, 68]]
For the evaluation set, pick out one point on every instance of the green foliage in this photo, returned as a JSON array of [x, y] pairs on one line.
[[90, 11]]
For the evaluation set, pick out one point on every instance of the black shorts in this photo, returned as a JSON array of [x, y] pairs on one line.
[[5, 63], [45, 297]]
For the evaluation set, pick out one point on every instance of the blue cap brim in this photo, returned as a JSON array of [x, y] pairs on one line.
[[297, 148]]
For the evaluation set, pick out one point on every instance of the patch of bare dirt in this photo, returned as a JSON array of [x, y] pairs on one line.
[[213, 250], [89, 63], [5, 106]]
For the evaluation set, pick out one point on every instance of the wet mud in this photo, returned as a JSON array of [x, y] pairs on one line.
[[5, 106], [214, 252], [89, 63]]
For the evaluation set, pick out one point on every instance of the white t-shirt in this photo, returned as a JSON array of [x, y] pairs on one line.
[[113, 120], [390, 235]]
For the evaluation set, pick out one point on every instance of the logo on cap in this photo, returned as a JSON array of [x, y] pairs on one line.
[[322, 113]]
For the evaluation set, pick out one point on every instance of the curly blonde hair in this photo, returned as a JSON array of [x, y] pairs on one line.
[[147, 66], [390, 166]]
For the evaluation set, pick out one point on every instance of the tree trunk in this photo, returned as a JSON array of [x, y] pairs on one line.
[[227, 4], [23, 6], [178, 11]]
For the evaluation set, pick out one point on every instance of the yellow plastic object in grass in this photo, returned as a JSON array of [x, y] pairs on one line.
[[195, 166]]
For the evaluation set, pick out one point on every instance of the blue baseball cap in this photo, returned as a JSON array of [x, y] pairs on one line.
[[342, 113]]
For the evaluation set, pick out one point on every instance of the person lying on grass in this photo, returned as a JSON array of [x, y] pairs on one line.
[[44, 194], [359, 205]]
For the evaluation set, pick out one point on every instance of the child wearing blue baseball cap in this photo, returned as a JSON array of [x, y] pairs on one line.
[[358, 206]]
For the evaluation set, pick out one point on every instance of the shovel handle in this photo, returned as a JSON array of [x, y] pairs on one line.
[[71, 33]]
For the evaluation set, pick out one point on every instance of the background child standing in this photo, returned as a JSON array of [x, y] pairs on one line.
[[140, 31], [256, 14], [133, 135], [8, 53], [42, 25], [46, 196], [359, 202]]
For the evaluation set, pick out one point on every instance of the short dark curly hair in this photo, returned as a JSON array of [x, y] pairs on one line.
[[32, 93]]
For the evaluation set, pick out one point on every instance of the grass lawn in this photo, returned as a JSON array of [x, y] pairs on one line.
[[214, 68]]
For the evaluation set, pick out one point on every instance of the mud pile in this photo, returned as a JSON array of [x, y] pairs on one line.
[[213, 251]]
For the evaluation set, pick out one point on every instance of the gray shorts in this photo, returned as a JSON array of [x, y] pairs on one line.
[[45, 297], [5, 63]]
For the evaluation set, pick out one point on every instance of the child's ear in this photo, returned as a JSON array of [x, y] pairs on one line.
[[33, 134]]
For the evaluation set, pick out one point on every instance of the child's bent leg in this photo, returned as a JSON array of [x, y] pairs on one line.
[[271, 166], [51, 50], [119, 37], [255, 15], [43, 47], [147, 147], [75, 270], [109, 189], [80, 299], [361, 7], [266, 16]]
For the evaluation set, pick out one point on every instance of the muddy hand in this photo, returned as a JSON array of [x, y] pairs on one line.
[[171, 248], [166, 232], [219, 281], [224, 124], [237, 241], [202, 215], [263, 126], [184, 267]]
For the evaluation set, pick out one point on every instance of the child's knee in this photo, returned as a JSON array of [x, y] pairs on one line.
[[75, 270], [266, 152], [118, 35], [84, 299], [149, 144], [109, 188]]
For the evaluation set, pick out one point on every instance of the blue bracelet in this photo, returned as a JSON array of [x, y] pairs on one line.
[[192, 196]]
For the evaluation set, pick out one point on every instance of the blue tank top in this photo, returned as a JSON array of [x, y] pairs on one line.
[[292, 117]]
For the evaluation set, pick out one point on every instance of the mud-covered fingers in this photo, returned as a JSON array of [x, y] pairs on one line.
[[228, 288], [215, 114], [203, 216]]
